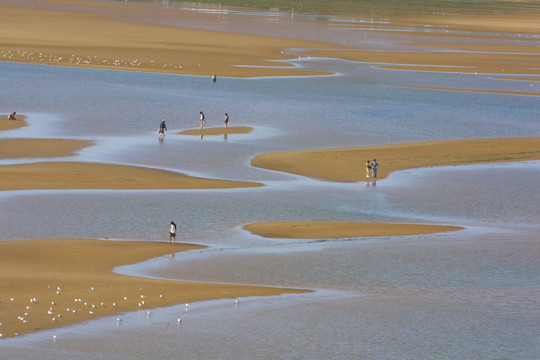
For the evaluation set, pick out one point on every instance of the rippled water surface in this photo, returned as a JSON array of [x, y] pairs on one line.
[[472, 294]]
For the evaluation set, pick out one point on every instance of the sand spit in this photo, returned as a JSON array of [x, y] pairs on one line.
[[348, 164], [51, 283], [447, 61], [111, 36], [336, 230], [473, 90], [40, 148], [79, 175], [462, 44], [6, 124], [218, 131]]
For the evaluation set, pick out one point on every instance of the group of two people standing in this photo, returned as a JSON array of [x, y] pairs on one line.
[[371, 168]]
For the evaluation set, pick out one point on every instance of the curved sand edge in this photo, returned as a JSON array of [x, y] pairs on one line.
[[348, 164], [109, 36], [59, 272], [6, 124], [445, 55], [40, 148], [336, 230], [78, 175], [526, 93], [218, 131], [112, 36]]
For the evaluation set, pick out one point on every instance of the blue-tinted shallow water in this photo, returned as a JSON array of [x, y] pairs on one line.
[[472, 294]]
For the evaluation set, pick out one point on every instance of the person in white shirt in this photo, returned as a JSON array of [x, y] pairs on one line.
[[202, 121], [172, 232]]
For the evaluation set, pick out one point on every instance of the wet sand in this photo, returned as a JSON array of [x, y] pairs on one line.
[[59, 272], [447, 61], [40, 148], [6, 124], [78, 175], [476, 90], [348, 164], [516, 20], [111, 36], [336, 230], [453, 51], [218, 131]]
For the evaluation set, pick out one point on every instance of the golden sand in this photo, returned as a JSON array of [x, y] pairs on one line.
[[474, 90], [464, 62], [336, 230], [40, 148], [519, 22], [348, 164], [218, 131], [77, 175], [445, 54], [6, 124], [59, 272], [57, 33], [38, 32]]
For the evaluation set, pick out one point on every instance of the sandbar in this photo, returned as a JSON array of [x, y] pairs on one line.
[[6, 124], [40, 148], [337, 230], [526, 93], [470, 54], [348, 164], [218, 131], [513, 20], [80, 175], [59, 272], [443, 60], [111, 35]]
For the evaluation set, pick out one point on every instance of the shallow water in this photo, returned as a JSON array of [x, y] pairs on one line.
[[468, 294]]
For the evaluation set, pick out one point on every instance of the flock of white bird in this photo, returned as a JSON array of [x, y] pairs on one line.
[[79, 306], [52, 59]]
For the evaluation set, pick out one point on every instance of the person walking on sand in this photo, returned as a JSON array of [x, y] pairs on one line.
[[162, 128], [374, 165], [226, 120], [202, 120], [172, 232], [368, 168]]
